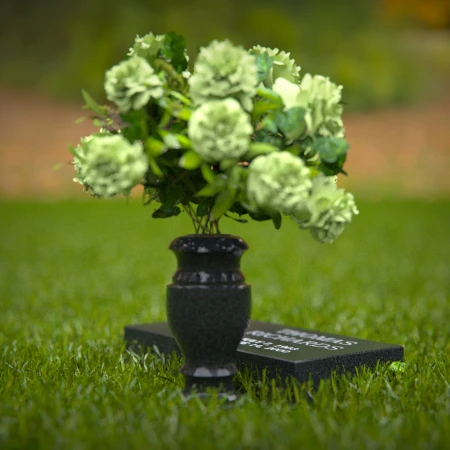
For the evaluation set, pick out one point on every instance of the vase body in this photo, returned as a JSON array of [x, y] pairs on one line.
[[208, 308]]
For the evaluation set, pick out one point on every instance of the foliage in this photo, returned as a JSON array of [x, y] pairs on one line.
[[242, 135], [66, 380]]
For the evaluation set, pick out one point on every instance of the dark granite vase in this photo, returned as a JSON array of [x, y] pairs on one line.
[[208, 309]]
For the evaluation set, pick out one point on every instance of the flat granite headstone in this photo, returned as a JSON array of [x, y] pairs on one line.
[[282, 350]]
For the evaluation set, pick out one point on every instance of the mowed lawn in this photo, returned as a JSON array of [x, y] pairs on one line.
[[72, 274]]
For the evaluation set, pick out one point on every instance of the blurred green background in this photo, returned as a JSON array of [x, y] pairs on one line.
[[392, 57], [383, 51]]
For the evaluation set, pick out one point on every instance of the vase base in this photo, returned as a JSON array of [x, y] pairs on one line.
[[204, 388]]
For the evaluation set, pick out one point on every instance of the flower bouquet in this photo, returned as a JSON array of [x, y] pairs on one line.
[[243, 136]]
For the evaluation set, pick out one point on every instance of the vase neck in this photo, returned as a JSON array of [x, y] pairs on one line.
[[206, 260]]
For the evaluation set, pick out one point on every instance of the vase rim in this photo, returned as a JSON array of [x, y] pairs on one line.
[[209, 243]]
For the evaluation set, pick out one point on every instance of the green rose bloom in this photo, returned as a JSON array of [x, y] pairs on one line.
[[321, 98], [283, 66], [220, 129], [224, 70], [278, 182], [109, 165], [327, 211], [147, 46], [131, 83]]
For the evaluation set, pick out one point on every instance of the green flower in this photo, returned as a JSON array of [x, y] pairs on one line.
[[109, 165], [327, 211], [224, 70], [220, 129], [321, 98], [278, 182], [131, 83], [283, 66], [147, 46]]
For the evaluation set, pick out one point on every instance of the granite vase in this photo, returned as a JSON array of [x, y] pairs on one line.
[[208, 309]]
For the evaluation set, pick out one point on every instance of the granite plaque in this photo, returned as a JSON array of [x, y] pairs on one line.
[[286, 351]]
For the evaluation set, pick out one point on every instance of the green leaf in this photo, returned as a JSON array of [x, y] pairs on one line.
[[306, 149], [166, 211], [269, 138], [259, 216], [261, 148], [227, 163], [152, 180], [136, 128], [330, 149], [269, 124], [332, 152], [165, 119], [99, 123], [183, 114], [148, 195], [261, 107], [294, 149], [291, 122], [174, 50], [236, 219], [219, 184], [203, 208], [238, 209], [170, 139], [80, 120], [277, 219], [397, 366], [181, 97], [267, 93], [208, 191], [155, 168], [155, 147], [330, 169], [235, 176], [207, 173], [92, 104], [190, 160], [74, 152], [171, 195], [184, 141], [264, 63], [222, 204]]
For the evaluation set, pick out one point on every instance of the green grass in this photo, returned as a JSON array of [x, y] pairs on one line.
[[73, 274]]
